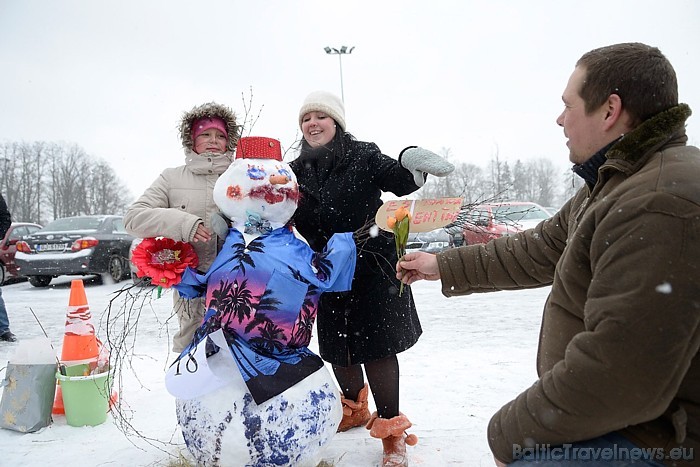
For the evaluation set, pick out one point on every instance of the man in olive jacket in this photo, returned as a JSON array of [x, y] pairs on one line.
[[618, 359]]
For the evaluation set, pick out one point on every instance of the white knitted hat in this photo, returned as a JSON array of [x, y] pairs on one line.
[[322, 101]]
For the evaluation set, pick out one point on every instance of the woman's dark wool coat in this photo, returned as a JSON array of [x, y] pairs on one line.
[[371, 321]]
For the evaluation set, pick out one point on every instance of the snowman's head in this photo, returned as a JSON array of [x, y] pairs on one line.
[[257, 187]]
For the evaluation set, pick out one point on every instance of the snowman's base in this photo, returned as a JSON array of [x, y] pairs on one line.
[[227, 428]]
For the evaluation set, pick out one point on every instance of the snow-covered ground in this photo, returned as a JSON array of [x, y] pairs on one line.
[[476, 353]]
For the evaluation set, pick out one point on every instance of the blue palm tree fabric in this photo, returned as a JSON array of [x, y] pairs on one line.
[[264, 297]]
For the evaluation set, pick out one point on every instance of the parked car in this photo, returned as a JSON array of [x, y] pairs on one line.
[[430, 242], [83, 245], [8, 248], [551, 210], [492, 220]]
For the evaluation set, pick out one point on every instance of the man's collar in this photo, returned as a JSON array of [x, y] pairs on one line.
[[588, 171]]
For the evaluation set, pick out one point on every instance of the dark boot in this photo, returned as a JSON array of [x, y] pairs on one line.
[[392, 432], [7, 336], [355, 413]]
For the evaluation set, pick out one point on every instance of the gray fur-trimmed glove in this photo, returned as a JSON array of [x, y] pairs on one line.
[[421, 162]]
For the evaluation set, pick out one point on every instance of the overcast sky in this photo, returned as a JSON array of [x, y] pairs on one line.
[[478, 77]]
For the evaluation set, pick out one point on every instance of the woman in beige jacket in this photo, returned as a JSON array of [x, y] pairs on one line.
[[179, 203]]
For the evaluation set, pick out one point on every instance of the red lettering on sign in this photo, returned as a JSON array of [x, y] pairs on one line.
[[424, 216]]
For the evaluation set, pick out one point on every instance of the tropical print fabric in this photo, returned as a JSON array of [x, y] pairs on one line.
[[264, 296]]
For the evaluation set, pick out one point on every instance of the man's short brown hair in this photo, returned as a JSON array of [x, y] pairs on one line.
[[640, 74]]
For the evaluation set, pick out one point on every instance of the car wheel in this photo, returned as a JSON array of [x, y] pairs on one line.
[[3, 274], [40, 281], [116, 268]]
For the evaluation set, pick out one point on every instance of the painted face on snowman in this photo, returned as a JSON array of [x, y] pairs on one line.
[[248, 389], [258, 191]]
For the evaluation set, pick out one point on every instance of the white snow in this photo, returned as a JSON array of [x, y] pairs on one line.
[[476, 353]]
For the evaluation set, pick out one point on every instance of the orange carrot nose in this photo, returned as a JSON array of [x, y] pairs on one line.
[[279, 179]]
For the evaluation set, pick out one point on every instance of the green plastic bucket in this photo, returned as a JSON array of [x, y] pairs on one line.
[[77, 370], [85, 398]]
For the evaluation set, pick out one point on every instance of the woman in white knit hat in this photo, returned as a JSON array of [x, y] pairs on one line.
[[341, 180]]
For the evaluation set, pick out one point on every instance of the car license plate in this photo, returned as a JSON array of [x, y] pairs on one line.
[[51, 247]]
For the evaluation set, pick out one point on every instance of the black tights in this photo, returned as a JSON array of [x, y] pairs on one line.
[[383, 379]]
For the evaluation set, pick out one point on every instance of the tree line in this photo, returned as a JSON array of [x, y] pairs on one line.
[[43, 181], [537, 180]]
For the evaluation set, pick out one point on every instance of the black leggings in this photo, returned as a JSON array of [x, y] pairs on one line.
[[383, 379]]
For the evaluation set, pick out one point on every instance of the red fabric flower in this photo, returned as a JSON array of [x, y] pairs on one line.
[[163, 260]]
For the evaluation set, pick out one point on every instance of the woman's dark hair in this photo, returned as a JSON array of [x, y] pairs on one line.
[[334, 149]]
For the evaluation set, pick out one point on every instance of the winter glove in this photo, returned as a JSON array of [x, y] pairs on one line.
[[220, 224], [421, 162]]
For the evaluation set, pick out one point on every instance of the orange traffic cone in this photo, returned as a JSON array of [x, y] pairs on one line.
[[80, 346], [79, 341], [58, 407]]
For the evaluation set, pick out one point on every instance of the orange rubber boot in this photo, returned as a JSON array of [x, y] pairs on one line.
[[392, 432], [355, 413]]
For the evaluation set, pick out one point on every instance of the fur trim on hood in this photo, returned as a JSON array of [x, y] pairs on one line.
[[652, 133], [210, 109]]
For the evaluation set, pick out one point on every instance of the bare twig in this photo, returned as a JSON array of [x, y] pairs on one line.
[[248, 120], [124, 312]]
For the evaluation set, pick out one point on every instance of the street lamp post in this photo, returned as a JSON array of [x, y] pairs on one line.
[[340, 52]]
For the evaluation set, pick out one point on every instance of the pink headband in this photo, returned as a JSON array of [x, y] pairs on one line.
[[205, 123]]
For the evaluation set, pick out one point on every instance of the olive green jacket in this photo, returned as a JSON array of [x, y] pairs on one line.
[[620, 333]]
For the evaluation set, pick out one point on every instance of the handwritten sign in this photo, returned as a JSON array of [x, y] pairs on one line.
[[426, 214]]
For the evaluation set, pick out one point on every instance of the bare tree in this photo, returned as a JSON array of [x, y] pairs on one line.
[[22, 179], [471, 180], [67, 184], [545, 177], [43, 181], [8, 166], [571, 184], [501, 179], [523, 182], [537, 180], [105, 194], [505, 180]]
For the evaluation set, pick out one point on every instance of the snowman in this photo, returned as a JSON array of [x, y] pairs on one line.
[[248, 390]]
